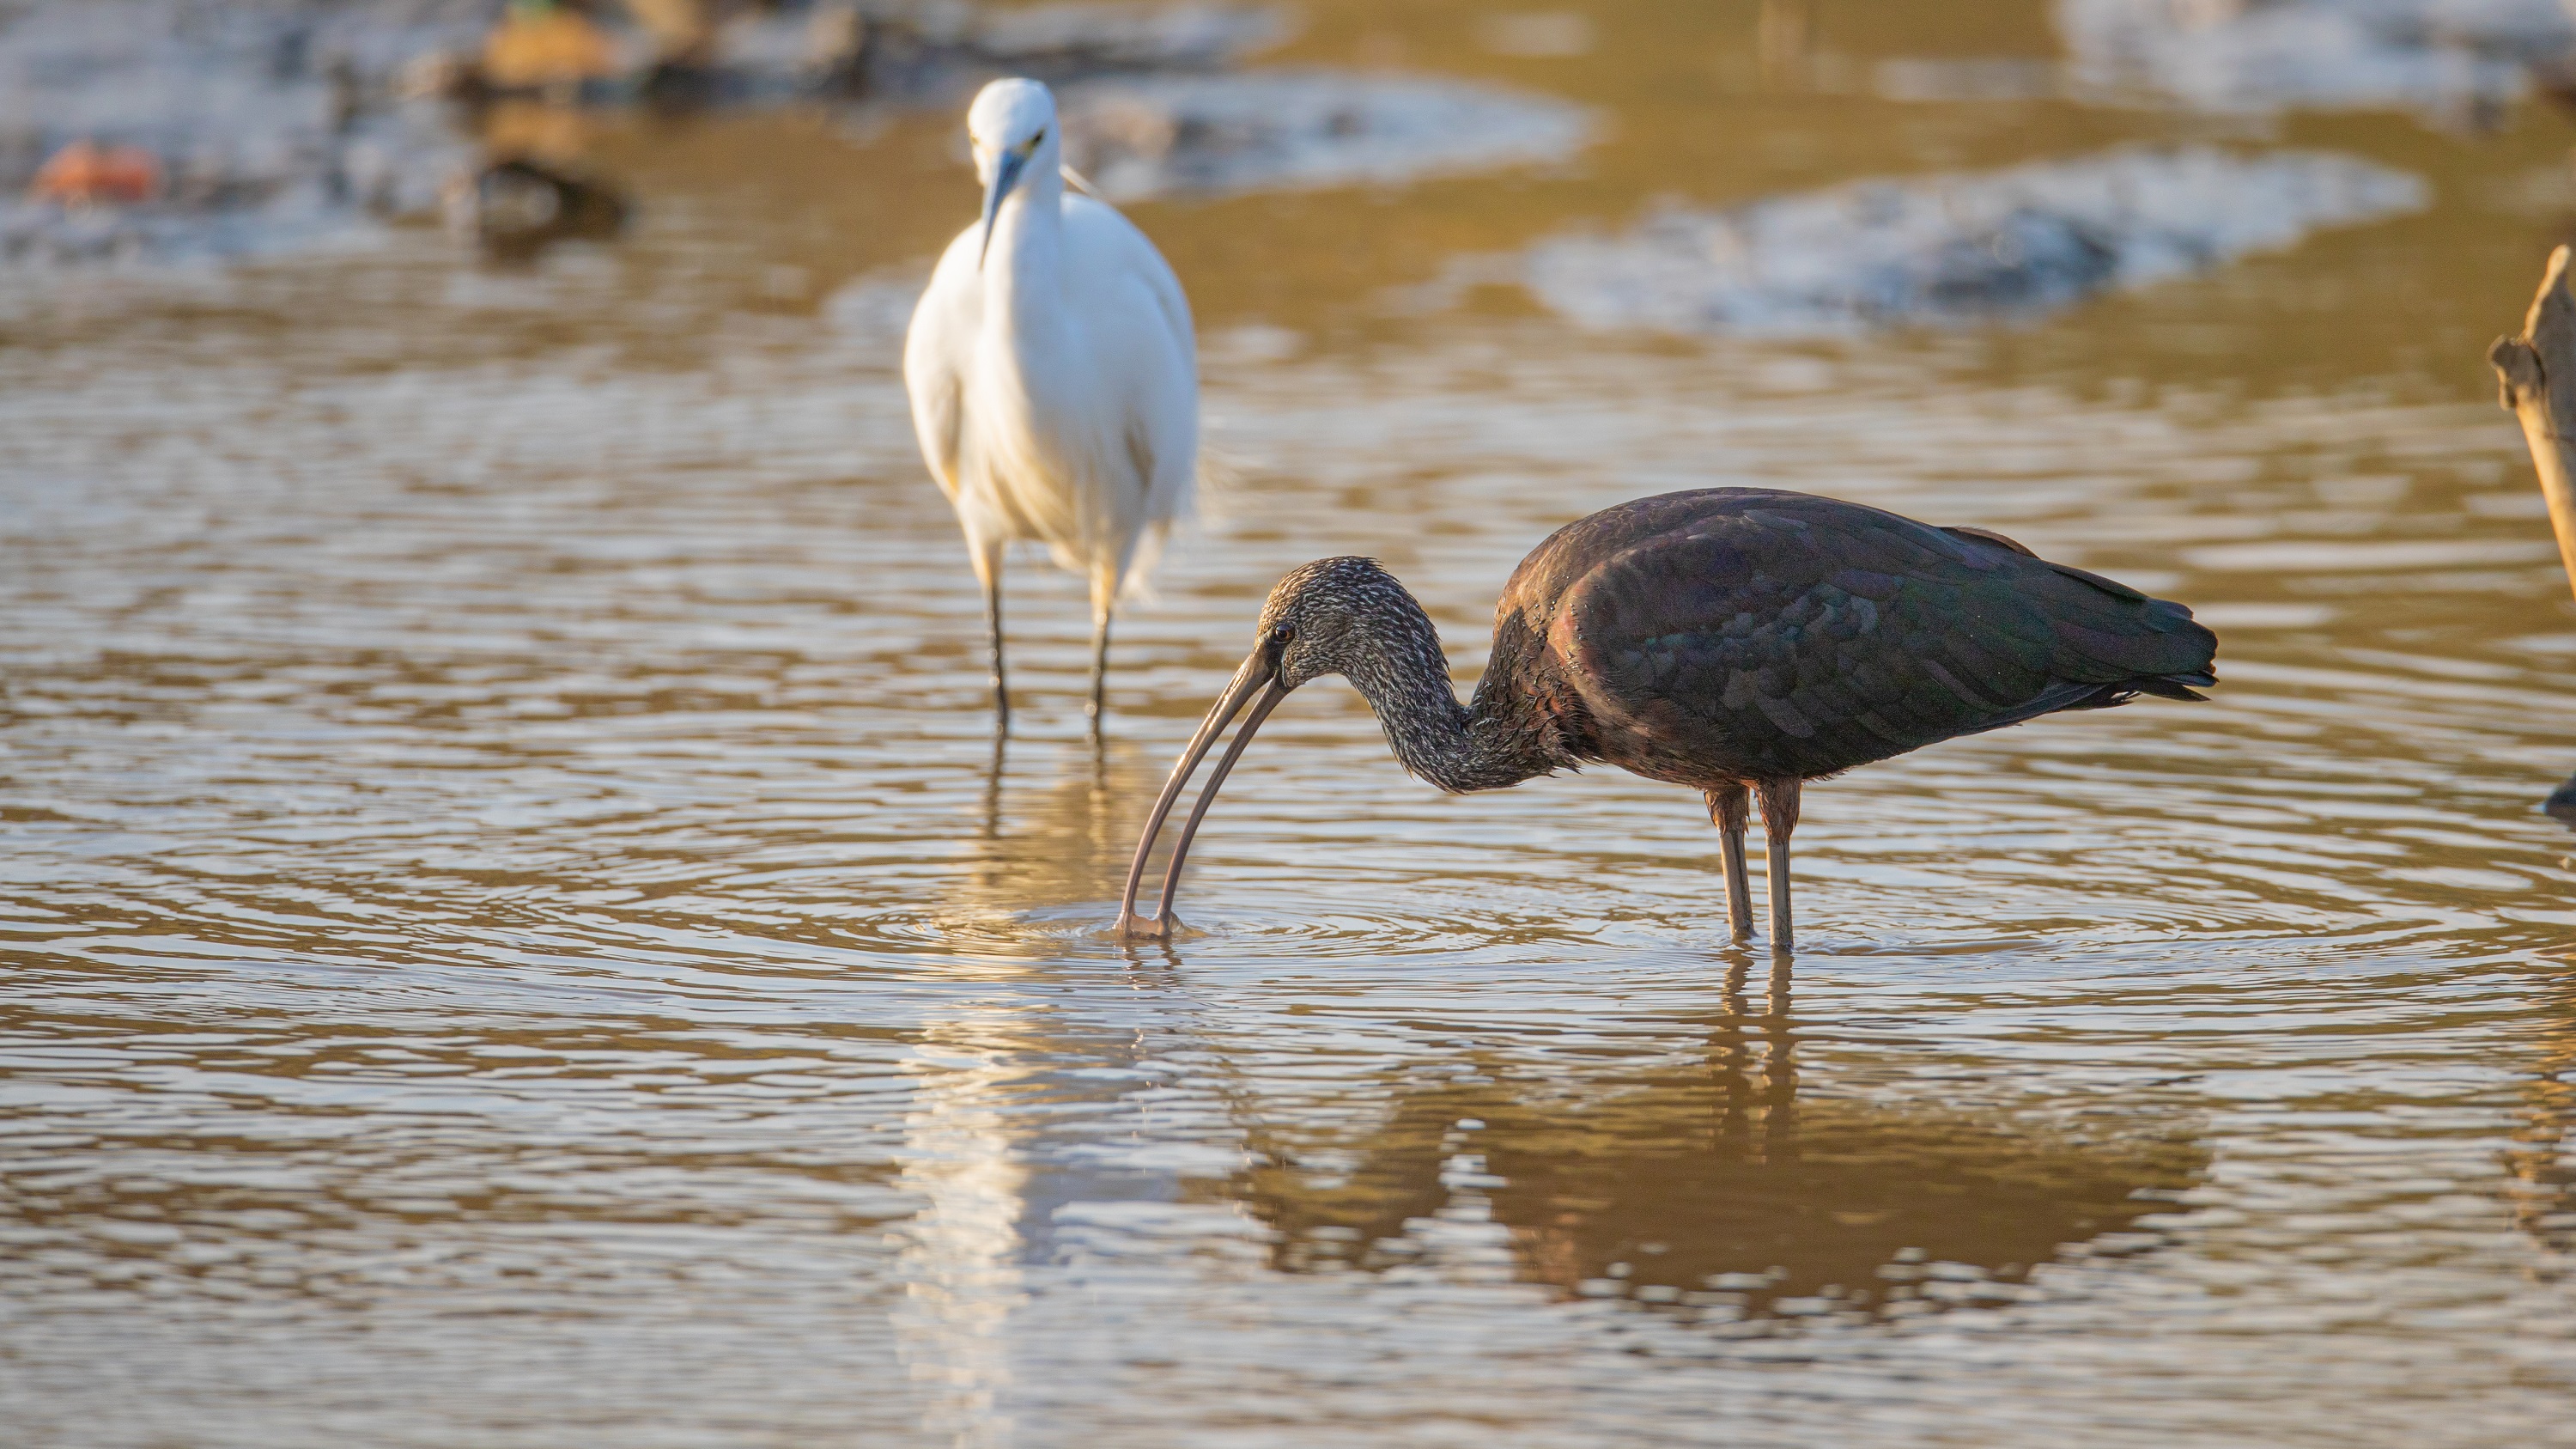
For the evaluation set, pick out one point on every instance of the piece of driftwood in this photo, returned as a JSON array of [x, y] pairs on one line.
[[2536, 373]]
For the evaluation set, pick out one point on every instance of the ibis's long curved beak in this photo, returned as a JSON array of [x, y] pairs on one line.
[[1006, 174], [1259, 675]]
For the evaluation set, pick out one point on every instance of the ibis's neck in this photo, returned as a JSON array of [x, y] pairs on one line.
[[1500, 741]]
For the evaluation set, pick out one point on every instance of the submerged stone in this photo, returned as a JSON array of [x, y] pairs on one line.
[[1959, 247]]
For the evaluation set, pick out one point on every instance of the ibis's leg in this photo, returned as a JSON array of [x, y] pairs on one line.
[[1730, 811], [988, 571], [1779, 817]]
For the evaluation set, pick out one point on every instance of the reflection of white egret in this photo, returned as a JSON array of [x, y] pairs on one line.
[[1053, 374], [961, 1264]]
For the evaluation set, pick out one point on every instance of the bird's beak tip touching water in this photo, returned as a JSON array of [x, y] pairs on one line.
[[1006, 174], [1259, 675]]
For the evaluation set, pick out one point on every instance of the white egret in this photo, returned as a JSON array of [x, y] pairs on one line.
[[1054, 375]]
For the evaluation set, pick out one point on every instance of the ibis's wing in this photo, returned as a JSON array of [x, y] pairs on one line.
[[937, 347], [1793, 635]]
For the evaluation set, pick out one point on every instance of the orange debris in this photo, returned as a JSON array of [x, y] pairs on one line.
[[533, 49], [85, 173]]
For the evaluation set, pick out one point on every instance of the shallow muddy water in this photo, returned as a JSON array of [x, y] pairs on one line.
[[519, 933]]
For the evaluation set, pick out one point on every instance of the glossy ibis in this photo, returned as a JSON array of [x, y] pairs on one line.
[[1740, 641], [1053, 374]]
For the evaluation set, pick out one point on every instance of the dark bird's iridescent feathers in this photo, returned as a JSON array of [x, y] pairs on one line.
[[1784, 635]]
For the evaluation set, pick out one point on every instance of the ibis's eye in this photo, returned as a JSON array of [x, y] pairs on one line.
[[1281, 634]]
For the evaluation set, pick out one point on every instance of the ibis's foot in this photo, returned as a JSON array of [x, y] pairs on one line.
[[1133, 927]]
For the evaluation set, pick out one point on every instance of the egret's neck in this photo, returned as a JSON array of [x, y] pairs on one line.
[[1405, 678], [1024, 270]]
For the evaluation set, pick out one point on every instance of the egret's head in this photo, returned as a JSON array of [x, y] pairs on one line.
[[1013, 127]]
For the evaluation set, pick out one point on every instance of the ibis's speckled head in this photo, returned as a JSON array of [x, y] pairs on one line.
[[1343, 616]]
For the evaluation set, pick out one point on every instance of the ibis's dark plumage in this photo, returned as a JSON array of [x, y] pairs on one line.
[[1734, 640]]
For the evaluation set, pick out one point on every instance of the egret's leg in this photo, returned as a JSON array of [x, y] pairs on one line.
[[1730, 811], [1099, 670], [1001, 677], [988, 571], [993, 787], [1779, 817], [1105, 577]]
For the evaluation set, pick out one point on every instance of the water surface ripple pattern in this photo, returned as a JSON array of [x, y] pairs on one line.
[[516, 933]]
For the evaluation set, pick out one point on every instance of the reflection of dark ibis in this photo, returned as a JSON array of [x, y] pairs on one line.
[[1723, 1176], [1734, 640]]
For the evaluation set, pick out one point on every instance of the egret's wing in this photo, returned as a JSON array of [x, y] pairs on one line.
[[1800, 636], [936, 350], [1136, 321]]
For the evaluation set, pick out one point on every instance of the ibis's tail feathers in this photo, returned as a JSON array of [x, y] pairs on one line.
[[2174, 687]]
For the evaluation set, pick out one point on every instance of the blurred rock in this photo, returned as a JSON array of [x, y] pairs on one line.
[[274, 125], [1959, 247], [2561, 803], [838, 43], [542, 47], [278, 124], [1294, 128], [515, 208], [2439, 56], [681, 30], [1123, 37]]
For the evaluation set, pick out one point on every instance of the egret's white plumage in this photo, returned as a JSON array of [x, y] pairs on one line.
[[1053, 374]]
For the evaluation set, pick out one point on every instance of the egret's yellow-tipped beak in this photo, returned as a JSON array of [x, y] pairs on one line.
[[1006, 174], [1259, 673]]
